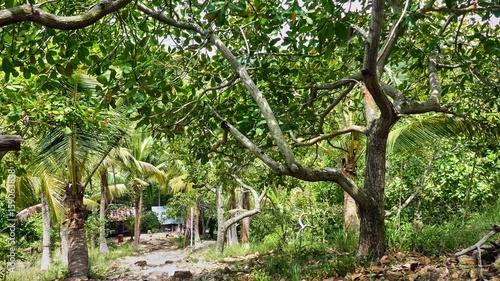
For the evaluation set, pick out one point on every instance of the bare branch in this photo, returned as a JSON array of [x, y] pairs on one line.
[[333, 105], [332, 134], [391, 41], [461, 11], [485, 238], [35, 13], [360, 30], [254, 91]]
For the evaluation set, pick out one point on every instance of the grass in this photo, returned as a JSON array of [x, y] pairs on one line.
[[308, 259], [441, 239], [99, 265]]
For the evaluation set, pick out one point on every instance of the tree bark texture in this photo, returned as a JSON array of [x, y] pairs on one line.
[[245, 223], [10, 143], [46, 234], [221, 229], [232, 232], [371, 236], [78, 260], [103, 246], [64, 233], [138, 214]]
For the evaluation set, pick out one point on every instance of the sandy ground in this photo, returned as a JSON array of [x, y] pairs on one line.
[[160, 259]]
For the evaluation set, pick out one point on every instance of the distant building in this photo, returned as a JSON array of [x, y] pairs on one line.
[[167, 224]]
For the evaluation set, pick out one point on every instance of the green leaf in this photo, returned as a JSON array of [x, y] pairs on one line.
[[7, 66], [449, 3], [222, 18], [68, 70], [26, 73], [67, 130], [102, 79], [127, 68], [13, 116], [212, 15], [60, 69], [49, 58], [240, 7]]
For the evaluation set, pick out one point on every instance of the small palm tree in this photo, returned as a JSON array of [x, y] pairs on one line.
[[142, 162]]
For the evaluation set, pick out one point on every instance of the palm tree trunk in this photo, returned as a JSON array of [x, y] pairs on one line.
[[64, 234], [46, 234], [79, 258], [103, 246], [138, 214]]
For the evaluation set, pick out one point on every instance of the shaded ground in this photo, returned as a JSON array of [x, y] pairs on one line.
[[162, 260]]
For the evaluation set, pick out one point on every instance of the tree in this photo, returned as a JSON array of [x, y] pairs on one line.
[[446, 38], [142, 163]]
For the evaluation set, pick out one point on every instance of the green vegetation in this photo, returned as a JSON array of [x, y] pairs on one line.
[[326, 136]]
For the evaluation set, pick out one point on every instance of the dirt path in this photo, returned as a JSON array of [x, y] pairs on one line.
[[161, 259]]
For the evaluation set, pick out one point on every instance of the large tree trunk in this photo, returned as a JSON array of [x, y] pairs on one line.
[[371, 236], [245, 223], [78, 260], [103, 246], [46, 234], [138, 214]]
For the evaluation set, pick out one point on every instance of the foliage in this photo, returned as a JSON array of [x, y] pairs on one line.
[[442, 238], [150, 221]]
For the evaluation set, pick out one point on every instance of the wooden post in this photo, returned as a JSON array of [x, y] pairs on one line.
[[10, 143]]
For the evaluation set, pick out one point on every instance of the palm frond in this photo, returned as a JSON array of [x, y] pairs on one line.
[[179, 184], [90, 204], [24, 214], [433, 129]]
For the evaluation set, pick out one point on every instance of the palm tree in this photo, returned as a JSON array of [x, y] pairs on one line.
[[143, 163], [69, 152], [50, 190]]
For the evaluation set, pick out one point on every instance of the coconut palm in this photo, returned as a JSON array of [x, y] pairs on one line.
[[143, 164], [74, 153]]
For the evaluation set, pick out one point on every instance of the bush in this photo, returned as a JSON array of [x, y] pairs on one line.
[[150, 221]]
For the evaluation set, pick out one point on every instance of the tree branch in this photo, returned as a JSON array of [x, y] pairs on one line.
[[247, 213], [392, 40], [254, 91], [333, 105], [35, 13], [353, 128], [485, 238], [370, 75]]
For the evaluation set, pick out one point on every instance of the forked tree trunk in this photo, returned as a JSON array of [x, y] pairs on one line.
[[103, 246], [78, 260], [245, 223], [46, 234], [138, 214]]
